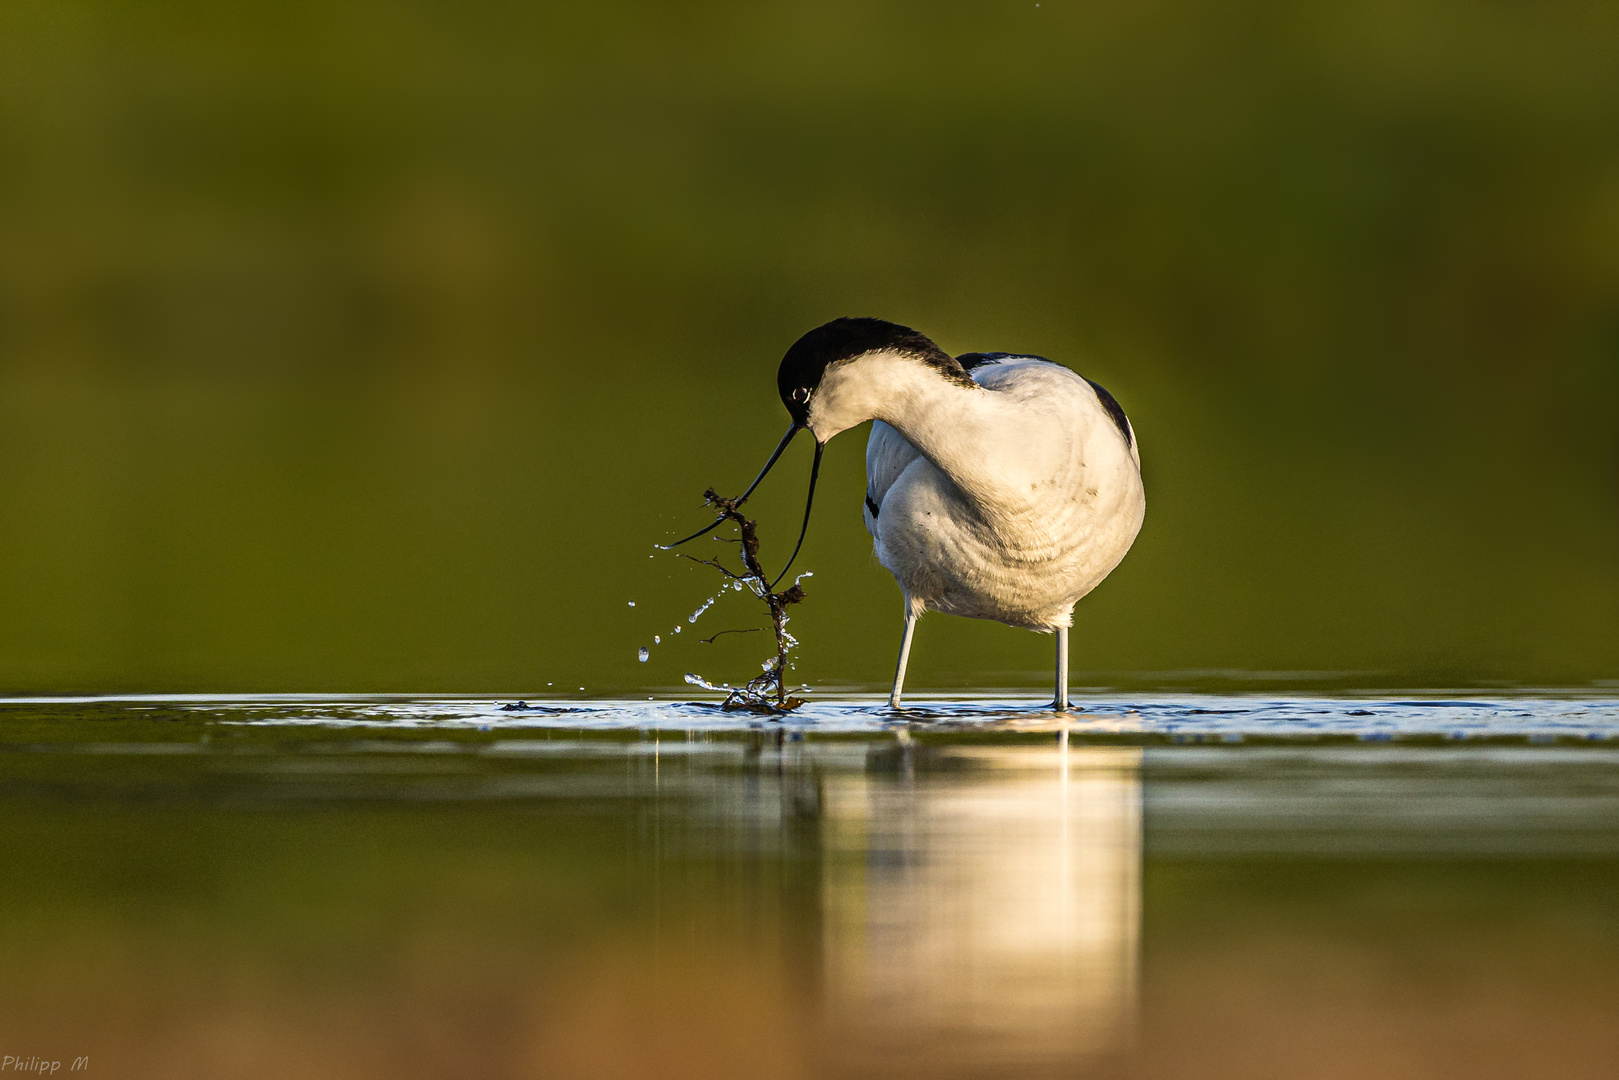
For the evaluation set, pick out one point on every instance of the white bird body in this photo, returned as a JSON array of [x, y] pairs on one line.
[[998, 486], [1009, 502]]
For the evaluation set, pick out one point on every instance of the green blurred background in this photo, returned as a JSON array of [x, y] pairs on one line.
[[362, 346]]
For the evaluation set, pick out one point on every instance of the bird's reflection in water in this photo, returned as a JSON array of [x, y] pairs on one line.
[[981, 909]]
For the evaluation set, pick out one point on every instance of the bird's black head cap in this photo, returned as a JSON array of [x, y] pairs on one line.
[[844, 339]]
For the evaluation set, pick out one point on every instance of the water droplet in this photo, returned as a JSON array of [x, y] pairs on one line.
[[644, 653], [677, 629], [706, 605], [632, 603], [581, 688], [656, 640]]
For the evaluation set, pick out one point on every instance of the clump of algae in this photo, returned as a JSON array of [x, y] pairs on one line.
[[766, 692]]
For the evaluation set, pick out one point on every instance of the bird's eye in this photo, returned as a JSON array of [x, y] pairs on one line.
[[801, 394]]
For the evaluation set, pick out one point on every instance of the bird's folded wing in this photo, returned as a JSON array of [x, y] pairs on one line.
[[887, 455]]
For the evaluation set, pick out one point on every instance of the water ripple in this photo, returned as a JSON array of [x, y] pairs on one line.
[[1147, 718]]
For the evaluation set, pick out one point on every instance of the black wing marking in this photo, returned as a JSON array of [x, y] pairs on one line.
[[873, 507], [979, 359], [1115, 411]]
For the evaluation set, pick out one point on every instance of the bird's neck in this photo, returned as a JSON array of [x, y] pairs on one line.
[[960, 428]]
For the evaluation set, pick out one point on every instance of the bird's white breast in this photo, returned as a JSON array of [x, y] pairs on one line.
[[1018, 525]]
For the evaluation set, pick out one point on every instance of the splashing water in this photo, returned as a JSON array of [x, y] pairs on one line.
[[766, 692]]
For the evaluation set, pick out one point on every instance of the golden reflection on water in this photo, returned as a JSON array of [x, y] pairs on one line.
[[984, 913], [203, 901]]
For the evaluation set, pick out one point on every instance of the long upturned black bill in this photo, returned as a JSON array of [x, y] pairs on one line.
[[815, 471], [780, 447]]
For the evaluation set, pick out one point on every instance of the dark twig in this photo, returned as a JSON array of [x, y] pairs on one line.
[[768, 691], [750, 630], [710, 562]]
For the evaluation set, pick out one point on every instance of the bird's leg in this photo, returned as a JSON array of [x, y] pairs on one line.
[[1061, 704], [904, 658]]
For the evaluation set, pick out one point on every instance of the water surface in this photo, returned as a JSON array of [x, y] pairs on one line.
[[1167, 886]]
